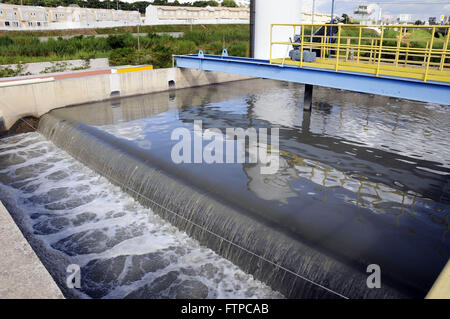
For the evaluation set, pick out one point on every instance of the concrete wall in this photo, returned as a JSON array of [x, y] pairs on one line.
[[36, 99], [22, 275]]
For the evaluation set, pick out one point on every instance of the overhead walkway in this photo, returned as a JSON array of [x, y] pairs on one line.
[[408, 62]]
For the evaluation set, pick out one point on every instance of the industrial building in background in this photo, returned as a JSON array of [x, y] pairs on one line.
[[268, 12], [16, 17]]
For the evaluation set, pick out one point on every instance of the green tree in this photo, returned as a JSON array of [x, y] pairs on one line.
[[229, 3], [205, 4], [345, 18]]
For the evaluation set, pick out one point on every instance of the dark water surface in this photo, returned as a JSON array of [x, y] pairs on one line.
[[363, 179]]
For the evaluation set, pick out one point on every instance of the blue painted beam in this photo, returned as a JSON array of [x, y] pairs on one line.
[[432, 92]]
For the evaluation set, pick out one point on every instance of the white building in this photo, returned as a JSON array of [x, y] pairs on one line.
[[195, 15], [404, 18], [319, 18], [15, 17], [368, 14], [240, 3], [9, 17]]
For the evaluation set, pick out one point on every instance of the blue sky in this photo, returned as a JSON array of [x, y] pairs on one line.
[[419, 9]]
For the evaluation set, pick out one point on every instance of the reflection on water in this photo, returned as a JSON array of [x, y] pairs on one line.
[[71, 215], [366, 177], [357, 191]]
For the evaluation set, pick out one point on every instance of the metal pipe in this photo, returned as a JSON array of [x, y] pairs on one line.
[[380, 52], [359, 44], [307, 98], [312, 22], [399, 43], [429, 54], [338, 48], [332, 21], [444, 49], [252, 27]]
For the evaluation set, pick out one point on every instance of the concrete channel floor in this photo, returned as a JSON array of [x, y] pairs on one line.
[[22, 275]]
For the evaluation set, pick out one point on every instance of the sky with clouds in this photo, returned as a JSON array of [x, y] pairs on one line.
[[419, 9]]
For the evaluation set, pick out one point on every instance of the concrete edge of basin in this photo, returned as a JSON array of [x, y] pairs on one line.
[[41, 96], [22, 274], [441, 288]]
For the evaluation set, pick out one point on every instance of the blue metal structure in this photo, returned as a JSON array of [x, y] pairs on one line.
[[404, 88]]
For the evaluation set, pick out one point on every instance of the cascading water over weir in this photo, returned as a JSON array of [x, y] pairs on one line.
[[274, 228]]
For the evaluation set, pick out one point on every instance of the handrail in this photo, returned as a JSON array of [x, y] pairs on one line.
[[382, 50], [363, 25]]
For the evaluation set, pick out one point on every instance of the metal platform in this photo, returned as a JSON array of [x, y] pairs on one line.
[[404, 88], [406, 62], [408, 51]]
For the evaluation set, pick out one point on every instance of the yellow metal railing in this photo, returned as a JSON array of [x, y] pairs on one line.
[[411, 51]]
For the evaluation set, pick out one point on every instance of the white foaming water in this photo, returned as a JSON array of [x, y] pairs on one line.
[[124, 249]]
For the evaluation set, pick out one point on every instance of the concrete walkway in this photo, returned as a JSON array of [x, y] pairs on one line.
[[22, 275]]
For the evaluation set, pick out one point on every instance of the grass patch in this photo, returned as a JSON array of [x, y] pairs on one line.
[[120, 30], [122, 47]]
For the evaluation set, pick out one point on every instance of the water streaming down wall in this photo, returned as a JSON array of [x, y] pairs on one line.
[[72, 215], [257, 245]]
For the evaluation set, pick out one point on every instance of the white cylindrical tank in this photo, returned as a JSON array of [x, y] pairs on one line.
[[275, 12]]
